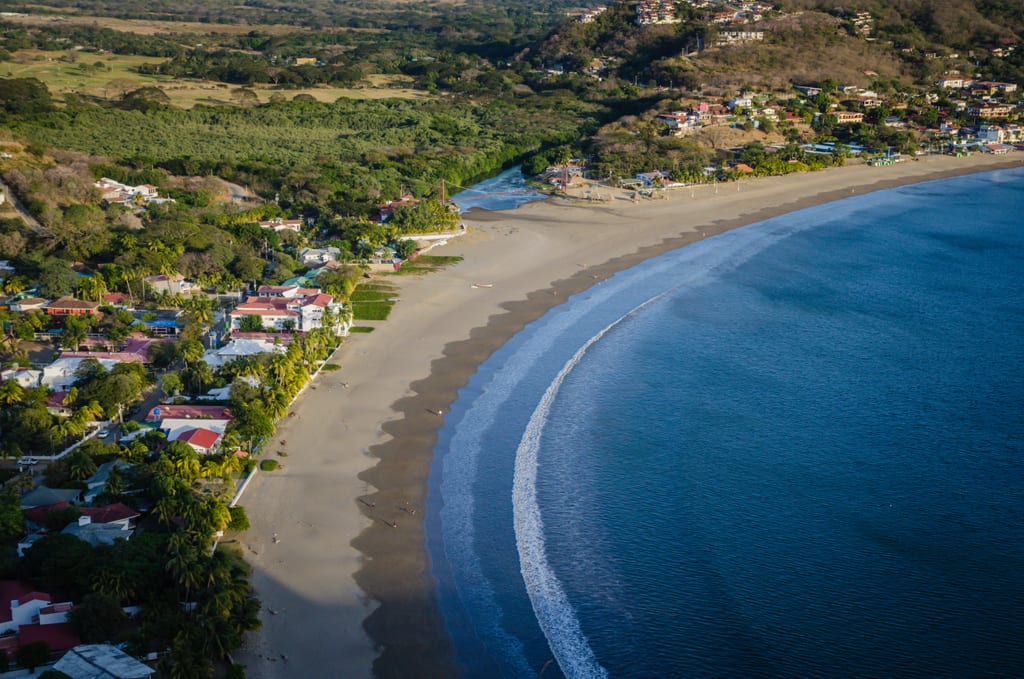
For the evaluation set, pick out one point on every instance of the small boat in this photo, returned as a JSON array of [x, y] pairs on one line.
[[483, 285]]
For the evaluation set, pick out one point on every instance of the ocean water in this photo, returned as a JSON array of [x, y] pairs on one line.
[[794, 449]]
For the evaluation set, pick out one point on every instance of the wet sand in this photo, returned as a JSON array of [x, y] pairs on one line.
[[337, 537]]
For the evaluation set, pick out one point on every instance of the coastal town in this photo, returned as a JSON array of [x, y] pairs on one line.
[[184, 331]]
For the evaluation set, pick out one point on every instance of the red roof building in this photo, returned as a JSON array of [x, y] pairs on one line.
[[164, 411], [203, 440], [110, 513], [58, 636]]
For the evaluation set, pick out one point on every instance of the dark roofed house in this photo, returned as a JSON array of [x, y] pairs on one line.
[[44, 495]]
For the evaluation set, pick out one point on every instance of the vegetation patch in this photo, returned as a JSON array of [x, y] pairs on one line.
[[371, 311], [427, 264], [330, 367], [268, 465], [363, 295], [361, 328]]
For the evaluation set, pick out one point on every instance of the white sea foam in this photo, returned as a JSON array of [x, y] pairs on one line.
[[460, 462], [547, 596]]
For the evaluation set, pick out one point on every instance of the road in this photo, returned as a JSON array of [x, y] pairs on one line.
[[25, 214]]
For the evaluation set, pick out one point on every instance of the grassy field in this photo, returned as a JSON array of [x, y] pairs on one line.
[[68, 17], [361, 295], [426, 264], [371, 311], [110, 75]]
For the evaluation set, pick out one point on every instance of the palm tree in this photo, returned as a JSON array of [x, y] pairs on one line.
[[11, 393], [96, 287], [184, 568], [115, 484], [80, 466], [165, 509], [114, 583], [191, 351]]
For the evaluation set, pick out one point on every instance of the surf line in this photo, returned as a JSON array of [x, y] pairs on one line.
[[550, 603]]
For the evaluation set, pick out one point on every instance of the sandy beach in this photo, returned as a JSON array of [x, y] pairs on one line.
[[337, 537]]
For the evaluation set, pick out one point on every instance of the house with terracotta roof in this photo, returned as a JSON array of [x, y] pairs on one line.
[[188, 412], [285, 307], [118, 299], [69, 306], [55, 404]]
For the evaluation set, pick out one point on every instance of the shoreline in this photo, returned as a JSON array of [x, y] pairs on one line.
[[367, 572]]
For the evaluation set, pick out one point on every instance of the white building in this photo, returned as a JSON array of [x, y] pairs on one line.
[[241, 348], [319, 256], [61, 375], [285, 307], [175, 427], [277, 224], [115, 192]]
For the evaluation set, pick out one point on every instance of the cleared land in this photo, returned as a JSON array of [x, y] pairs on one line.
[[108, 76]]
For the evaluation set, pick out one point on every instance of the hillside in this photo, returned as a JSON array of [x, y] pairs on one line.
[[807, 40]]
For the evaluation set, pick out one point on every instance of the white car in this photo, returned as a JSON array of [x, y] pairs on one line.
[[103, 434]]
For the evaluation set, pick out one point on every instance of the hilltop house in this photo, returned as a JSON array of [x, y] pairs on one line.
[[112, 191], [278, 225], [173, 284]]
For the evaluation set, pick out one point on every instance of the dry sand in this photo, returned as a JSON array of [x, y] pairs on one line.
[[337, 542]]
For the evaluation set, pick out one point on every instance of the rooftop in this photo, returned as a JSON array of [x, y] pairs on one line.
[[101, 661]]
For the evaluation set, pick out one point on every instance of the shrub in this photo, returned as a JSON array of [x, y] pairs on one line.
[[268, 465], [239, 519]]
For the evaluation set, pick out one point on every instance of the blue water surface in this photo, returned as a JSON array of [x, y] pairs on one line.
[[504, 191], [794, 449]]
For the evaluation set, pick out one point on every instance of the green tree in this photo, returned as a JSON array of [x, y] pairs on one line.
[[33, 655], [97, 618], [74, 332], [12, 523], [251, 324]]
